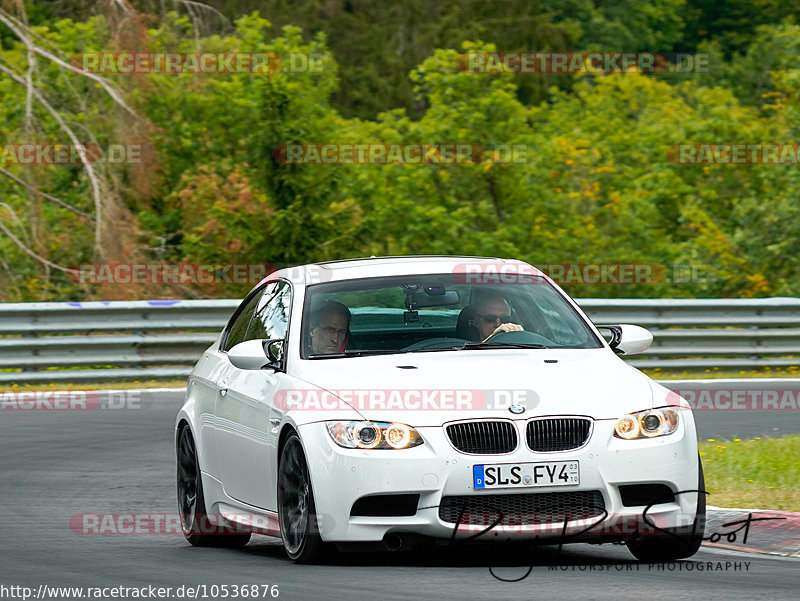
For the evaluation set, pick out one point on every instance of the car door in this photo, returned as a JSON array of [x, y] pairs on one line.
[[246, 439], [211, 376]]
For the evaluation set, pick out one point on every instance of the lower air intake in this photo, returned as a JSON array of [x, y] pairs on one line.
[[523, 510]]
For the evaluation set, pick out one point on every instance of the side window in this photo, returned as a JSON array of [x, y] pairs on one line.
[[271, 319], [238, 329]]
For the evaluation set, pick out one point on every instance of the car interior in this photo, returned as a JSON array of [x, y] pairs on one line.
[[412, 314]]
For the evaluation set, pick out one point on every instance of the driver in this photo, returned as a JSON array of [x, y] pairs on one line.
[[330, 328], [492, 314]]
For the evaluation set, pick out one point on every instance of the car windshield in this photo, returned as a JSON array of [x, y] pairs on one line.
[[427, 313]]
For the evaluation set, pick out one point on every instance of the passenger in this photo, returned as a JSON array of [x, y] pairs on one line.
[[330, 328]]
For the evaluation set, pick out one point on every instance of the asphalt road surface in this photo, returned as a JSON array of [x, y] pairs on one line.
[[56, 464], [715, 402]]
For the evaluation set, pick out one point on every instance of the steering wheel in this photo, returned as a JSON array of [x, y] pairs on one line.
[[435, 342], [521, 338]]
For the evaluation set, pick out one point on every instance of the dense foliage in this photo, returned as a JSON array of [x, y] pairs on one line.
[[596, 187]]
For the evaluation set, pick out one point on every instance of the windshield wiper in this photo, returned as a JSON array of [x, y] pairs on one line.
[[460, 347], [353, 353], [485, 345], [434, 349], [476, 345]]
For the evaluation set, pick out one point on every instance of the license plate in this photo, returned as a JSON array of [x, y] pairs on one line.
[[524, 475]]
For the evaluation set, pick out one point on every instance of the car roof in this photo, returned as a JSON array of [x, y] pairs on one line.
[[367, 267]]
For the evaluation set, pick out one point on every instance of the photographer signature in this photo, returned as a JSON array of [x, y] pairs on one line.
[[565, 538], [731, 536]]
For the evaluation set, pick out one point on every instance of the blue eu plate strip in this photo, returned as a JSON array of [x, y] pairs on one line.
[[477, 475]]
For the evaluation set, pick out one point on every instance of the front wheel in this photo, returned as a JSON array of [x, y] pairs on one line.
[[198, 529], [296, 510], [680, 543]]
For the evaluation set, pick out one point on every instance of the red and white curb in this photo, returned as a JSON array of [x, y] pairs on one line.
[[764, 531]]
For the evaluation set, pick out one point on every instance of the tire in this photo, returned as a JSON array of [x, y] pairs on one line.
[[198, 529], [296, 509], [681, 542]]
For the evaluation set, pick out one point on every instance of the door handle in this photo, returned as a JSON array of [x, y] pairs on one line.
[[275, 421]]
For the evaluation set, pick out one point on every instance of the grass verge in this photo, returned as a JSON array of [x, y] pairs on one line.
[[761, 473], [716, 372], [167, 383]]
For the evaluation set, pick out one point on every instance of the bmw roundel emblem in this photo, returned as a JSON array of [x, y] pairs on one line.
[[517, 409]]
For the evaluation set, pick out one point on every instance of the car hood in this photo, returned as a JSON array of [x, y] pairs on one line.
[[429, 389]]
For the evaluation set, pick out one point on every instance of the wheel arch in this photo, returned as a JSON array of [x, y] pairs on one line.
[[286, 430], [183, 422]]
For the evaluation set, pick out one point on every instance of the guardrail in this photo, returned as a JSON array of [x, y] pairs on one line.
[[100, 341]]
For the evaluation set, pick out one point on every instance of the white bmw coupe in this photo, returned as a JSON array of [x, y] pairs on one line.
[[442, 399]]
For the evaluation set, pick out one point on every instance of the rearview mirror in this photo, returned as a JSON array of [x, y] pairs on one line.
[[434, 297], [627, 339], [257, 354]]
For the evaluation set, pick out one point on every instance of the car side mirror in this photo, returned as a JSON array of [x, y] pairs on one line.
[[257, 354], [627, 339], [274, 350]]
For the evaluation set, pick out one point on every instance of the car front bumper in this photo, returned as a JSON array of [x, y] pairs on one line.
[[436, 469]]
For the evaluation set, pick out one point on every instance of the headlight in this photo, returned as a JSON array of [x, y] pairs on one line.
[[647, 424], [373, 435]]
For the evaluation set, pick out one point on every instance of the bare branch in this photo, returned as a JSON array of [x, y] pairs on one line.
[[29, 252], [205, 6], [11, 283], [87, 165], [123, 5], [201, 5], [45, 195], [17, 28], [195, 27], [29, 86], [13, 214]]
